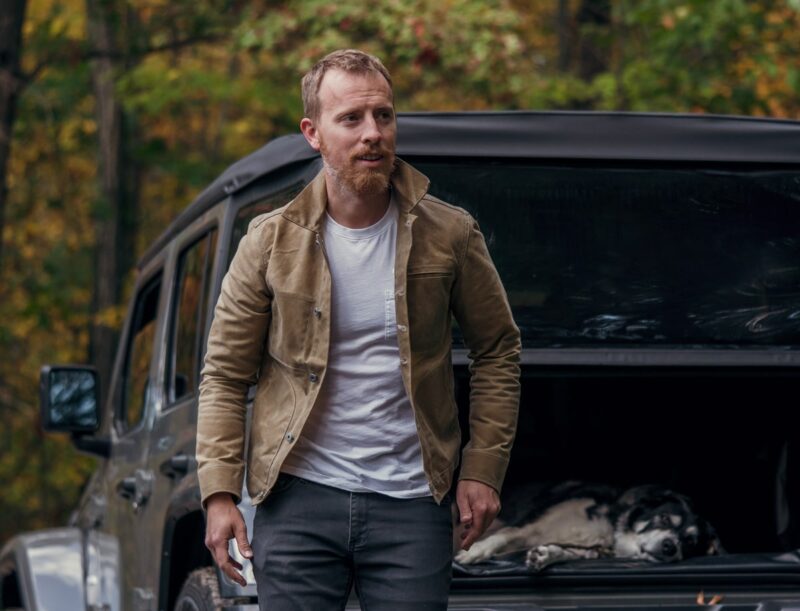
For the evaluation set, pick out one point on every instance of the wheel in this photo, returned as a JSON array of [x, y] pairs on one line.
[[200, 592]]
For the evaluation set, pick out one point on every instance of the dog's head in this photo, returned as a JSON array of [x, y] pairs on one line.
[[656, 524]]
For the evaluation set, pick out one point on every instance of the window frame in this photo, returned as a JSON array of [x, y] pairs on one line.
[[203, 313], [120, 420]]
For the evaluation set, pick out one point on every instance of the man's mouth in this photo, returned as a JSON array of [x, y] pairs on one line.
[[369, 157]]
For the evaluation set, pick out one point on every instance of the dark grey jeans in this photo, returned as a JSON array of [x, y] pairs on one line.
[[312, 543]]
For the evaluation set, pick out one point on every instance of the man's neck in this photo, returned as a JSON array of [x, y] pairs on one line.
[[355, 210]]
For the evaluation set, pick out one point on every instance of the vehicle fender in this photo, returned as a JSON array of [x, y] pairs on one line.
[[51, 564]]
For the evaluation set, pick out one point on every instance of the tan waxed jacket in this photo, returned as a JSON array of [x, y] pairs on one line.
[[272, 327]]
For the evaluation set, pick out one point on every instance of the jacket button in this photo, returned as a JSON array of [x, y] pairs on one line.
[[317, 312], [400, 293], [401, 328], [404, 361], [313, 377], [289, 437]]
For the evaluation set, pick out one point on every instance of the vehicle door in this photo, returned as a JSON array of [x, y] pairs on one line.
[[134, 397], [172, 448]]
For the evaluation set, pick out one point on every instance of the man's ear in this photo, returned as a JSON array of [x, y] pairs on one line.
[[310, 132]]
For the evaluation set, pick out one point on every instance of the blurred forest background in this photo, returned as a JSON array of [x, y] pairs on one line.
[[116, 113]]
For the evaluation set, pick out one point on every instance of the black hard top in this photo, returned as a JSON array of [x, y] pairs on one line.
[[548, 136]]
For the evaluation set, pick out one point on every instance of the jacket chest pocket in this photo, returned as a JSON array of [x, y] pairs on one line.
[[429, 306], [288, 333]]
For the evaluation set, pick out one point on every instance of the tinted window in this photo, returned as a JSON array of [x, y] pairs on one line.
[[139, 355], [250, 211], [189, 318], [659, 256]]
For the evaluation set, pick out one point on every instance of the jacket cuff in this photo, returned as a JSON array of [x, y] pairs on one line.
[[220, 479], [483, 467]]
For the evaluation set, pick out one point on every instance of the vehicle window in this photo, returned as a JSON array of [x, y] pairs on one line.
[[139, 355], [665, 256], [189, 317], [250, 211]]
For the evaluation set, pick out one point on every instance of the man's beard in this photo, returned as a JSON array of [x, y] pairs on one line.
[[362, 181]]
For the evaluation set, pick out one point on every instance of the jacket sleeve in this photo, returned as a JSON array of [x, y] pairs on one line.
[[232, 362], [481, 308]]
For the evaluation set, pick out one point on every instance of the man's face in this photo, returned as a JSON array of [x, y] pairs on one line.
[[355, 131]]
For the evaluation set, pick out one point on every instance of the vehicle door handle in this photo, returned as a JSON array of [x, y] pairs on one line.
[[126, 488], [137, 487], [177, 466]]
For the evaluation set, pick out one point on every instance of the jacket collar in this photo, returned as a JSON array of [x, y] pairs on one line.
[[308, 208]]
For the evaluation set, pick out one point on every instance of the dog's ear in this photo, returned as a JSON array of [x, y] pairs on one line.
[[709, 541], [684, 500]]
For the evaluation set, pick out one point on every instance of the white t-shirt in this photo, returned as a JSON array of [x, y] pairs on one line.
[[361, 435]]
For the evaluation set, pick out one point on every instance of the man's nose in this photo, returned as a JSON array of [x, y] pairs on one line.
[[372, 132]]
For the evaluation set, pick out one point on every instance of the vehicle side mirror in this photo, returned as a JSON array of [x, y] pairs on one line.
[[69, 399]]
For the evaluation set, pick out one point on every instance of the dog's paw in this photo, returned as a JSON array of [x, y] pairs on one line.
[[479, 552], [538, 557]]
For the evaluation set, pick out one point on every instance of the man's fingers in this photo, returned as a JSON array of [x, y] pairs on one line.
[[482, 518], [468, 538], [484, 514], [229, 568], [464, 511], [478, 504], [219, 549], [225, 522], [228, 565], [240, 532]]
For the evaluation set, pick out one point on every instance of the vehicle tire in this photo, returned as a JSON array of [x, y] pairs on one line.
[[200, 592]]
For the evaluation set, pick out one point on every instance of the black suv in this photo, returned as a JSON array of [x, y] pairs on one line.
[[653, 266]]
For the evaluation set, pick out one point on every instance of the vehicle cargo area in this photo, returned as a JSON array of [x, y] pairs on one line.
[[726, 437]]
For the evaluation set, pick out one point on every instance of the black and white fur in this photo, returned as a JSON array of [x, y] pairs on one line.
[[574, 520]]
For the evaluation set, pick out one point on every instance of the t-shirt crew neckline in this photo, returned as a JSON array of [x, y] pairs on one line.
[[363, 233]]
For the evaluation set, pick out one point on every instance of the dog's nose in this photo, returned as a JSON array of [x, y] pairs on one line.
[[668, 548]]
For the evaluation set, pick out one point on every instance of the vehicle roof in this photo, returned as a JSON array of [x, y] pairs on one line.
[[544, 135]]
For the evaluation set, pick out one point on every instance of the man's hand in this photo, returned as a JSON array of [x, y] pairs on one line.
[[224, 521], [478, 504]]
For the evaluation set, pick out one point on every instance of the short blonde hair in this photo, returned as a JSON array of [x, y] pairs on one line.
[[348, 60]]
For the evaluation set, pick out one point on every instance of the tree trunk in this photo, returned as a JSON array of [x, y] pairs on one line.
[[594, 16], [113, 211], [12, 15], [563, 26]]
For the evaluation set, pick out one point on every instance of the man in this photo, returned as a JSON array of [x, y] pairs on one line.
[[339, 306]]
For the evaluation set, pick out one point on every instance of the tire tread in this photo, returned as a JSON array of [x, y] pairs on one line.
[[202, 588]]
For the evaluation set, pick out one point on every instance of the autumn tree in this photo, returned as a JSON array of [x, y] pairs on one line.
[[121, 35], [72, 217], [115, 207], [458, 54], [12, 15], [731, 56]]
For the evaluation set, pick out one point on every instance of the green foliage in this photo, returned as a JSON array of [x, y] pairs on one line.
[[719, 57], [454, 54]]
